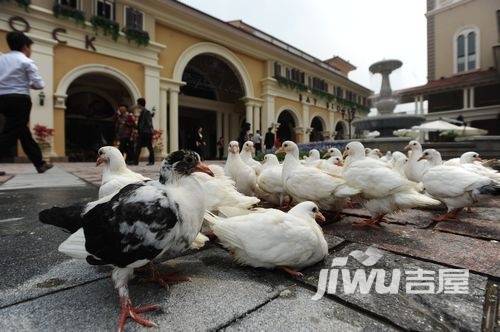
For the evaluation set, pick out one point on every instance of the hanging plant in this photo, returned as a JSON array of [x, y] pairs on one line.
[[22, 3], [283, 81], [69, 12], [108, 27], [140, 37]]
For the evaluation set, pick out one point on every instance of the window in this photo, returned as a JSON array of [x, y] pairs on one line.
[[297, 76], [69, 3], [277, 69], [134, 19], [466, 49], [105, 8], [319, 84], [339, 92]]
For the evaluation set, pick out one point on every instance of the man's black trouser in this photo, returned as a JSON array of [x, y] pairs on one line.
[[145, 139], [16, 109]]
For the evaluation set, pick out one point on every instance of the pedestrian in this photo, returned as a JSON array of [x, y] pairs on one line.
[[125, 124], [269, 140], [18, 73], [220, 147], [257, 142], [244, 133], [145, 132], [200, 144]]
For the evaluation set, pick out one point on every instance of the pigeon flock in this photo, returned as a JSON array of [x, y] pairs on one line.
[[136, 221]]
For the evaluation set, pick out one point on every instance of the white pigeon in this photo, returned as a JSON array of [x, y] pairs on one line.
[[242, 174], [387, 157], [373, 153], [398, 162], [246, 155], [220, 190], [332, 166], [115, 175], [312, 159], [140, 223], [415, 167], [270, 181], [290, 241], [472, 162], [332, 152], [455, 186], [383, 189], [305, 183]]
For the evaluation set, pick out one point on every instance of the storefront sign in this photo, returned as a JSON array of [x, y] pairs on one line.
[[18, 23]]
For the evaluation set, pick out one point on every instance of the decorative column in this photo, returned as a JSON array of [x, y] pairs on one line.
[[162, 118], [227, 137], [219, 124], [331, 123], [472, 97], [417, 99], [173, 120], [43, 55], [152, 90], [268, 116], [256, 118], [249, 115], [466, 99], [305, 122]]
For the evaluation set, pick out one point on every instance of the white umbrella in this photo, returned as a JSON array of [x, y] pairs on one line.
[[438, 125]]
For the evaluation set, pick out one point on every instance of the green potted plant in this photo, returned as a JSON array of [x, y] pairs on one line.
[[108, 27], [69, 12]]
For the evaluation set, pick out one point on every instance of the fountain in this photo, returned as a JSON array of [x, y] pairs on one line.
[[386, 121]]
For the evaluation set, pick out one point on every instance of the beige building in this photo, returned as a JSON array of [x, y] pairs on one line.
[[463, 59], [193, 69]]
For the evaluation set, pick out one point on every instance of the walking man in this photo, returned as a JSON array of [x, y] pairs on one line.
[[18, 73], [145, 129], [269, 140]]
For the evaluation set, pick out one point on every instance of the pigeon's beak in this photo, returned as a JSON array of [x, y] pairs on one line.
[[319, 217], [379, 153], [345, 154], [421, 158], [99, 161], [203, 168], [340, 163], [326, 155], [407, 147], [280, 150], [478, 159]]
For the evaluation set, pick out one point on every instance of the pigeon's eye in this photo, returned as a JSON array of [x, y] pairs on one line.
[[347, 148], [414, 143], [315, 209], [100, 153], [189, 159]]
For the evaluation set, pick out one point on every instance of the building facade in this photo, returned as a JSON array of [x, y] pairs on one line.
[[463, 63], [193, 69]]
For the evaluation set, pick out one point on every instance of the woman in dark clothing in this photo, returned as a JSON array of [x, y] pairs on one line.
[[200, 143]]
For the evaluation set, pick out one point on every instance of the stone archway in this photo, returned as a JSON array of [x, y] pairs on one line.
[[341, 130], [288, 121], [318, 126]]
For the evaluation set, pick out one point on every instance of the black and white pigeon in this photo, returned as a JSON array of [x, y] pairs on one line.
[[139, 223]]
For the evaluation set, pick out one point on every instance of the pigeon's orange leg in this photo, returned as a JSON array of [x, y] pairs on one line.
[[373, 222], [292, 272], [452, 215], [129, 311]]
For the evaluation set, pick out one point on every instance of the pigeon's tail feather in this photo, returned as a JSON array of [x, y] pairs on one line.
[[491, 189], [199, 241], [74, 246], [68, 218]]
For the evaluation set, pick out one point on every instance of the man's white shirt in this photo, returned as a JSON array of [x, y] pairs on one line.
[[18, 74]]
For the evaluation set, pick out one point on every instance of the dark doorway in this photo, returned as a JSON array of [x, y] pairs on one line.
[[317, 130], [190, 119], [340, 132], [89, 118], [286, 130]]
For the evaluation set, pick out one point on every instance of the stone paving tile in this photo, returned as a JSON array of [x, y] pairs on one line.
[[482, 223], [54, 177], [416, 218], [451, 249], [422, 312], [220, 292], [294, 310]]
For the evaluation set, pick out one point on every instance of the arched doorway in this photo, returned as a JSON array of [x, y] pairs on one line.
[[212, 94], [91, 103], [286, 129], [340, 130], [317, 130]]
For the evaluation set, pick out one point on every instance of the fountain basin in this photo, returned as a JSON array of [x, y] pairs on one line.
[[387, 123]]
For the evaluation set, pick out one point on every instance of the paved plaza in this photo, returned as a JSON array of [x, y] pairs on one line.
[[44, 290]]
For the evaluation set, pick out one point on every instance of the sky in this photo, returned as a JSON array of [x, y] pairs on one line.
[[360, 31]]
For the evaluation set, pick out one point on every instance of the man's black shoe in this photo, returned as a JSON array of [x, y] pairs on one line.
[[45, 167], [2, 173]]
